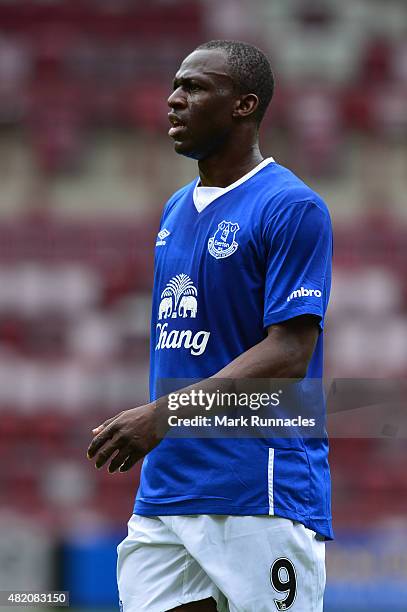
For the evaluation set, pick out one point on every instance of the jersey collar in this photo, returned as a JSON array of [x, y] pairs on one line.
[[202, 200]]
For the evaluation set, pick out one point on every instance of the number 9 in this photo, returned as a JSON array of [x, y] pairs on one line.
[[288, 586]]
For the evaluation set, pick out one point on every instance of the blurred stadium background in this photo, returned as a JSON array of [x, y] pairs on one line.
[[85, 167]]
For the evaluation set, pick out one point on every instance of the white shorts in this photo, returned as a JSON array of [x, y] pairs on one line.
[[246, 563]]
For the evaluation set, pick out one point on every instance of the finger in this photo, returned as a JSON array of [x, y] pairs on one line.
[[118, 460], [129, 462], [105, 453], [98, 441], [103, 425]]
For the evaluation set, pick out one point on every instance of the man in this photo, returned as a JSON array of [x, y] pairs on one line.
[[242, 280]]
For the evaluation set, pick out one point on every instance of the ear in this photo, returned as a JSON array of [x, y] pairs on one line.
[[246, 105]]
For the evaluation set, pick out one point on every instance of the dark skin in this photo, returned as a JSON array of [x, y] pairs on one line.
[[284, 353], [205, 605], [221, 131], [216, 125]]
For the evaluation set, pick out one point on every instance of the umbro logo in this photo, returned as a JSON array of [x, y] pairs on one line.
[[161, 236], [303, 292]]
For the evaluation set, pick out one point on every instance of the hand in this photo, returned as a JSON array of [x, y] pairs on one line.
[[131, 434]]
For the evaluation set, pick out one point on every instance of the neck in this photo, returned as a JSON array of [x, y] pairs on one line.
[[224, 167]]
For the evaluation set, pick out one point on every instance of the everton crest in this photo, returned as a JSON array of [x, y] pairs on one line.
[[223, 243]]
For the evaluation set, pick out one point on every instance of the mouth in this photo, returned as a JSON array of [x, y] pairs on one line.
[[177, 126]]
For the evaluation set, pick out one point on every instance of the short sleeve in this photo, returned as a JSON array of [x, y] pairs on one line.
[[299, 259]]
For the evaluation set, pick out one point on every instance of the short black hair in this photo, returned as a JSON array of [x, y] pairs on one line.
[[249, 68]]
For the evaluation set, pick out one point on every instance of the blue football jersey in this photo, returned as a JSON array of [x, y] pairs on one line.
[[259, 254]]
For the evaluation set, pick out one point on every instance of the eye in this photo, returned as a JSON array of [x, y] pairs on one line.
[[190, 86], [194, 87]]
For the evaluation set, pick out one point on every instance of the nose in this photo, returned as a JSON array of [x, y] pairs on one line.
[[177, 99]]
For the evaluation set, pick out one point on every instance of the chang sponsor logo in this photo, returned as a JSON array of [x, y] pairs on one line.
[[184, 338], [303, 292], [179, 301]]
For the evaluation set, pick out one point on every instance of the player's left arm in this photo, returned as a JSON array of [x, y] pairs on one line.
[[299, 248], [284, 353]]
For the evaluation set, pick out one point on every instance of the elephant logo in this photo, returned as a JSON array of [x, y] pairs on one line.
[[178, 299], [187, 304], [165, 308], [223, 243]]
